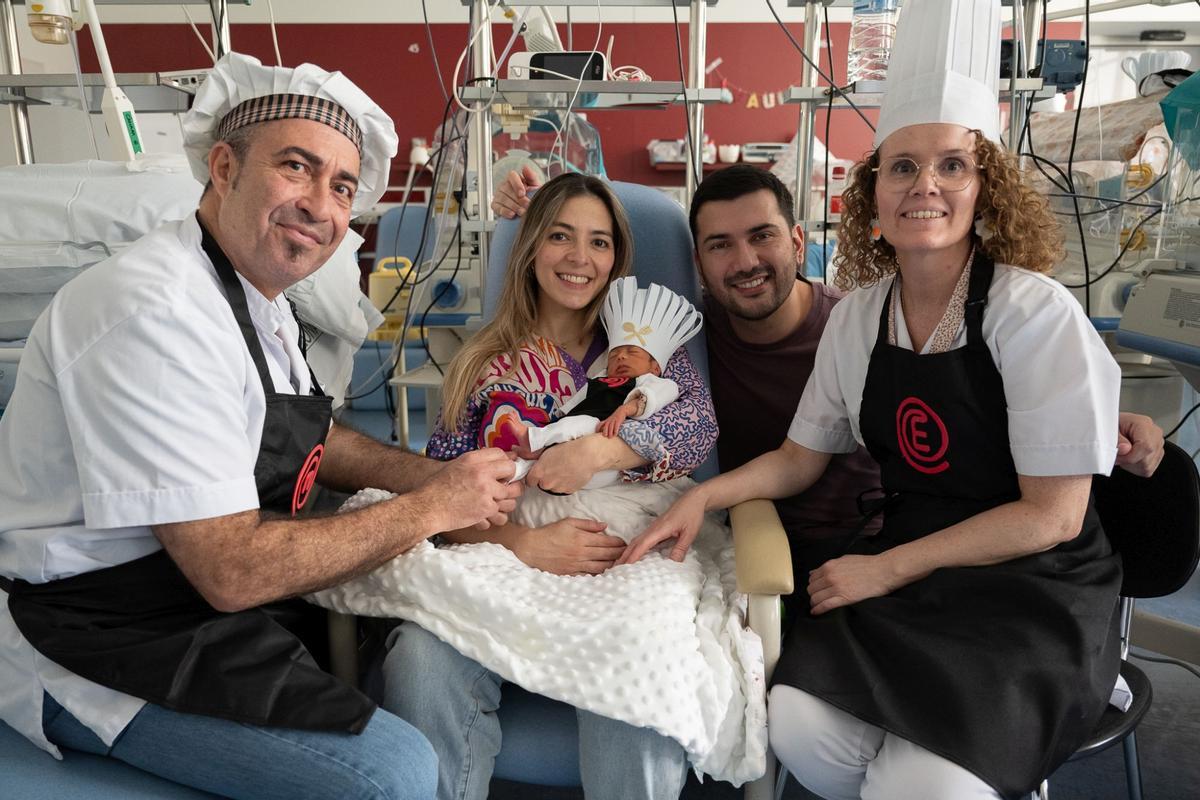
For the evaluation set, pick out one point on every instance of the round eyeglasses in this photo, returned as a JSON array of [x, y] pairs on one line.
[[950, 173]]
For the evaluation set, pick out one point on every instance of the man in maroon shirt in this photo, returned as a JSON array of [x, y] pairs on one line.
[[763, 323]]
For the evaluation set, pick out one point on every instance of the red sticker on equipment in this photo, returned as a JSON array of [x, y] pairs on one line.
[[922, 436], [306, 478]]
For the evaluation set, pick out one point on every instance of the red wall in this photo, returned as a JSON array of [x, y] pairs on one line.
[[756, 58]]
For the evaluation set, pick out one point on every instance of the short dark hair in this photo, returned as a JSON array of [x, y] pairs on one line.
[[238, 141], [737, 181]]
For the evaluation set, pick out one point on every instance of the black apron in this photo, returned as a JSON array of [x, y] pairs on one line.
[[141, 628], [1003, 669]]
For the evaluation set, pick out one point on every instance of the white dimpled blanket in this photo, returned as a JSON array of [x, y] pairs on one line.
[[657, 644]]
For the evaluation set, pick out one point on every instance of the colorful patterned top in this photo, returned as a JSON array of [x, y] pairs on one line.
[[675, 441]]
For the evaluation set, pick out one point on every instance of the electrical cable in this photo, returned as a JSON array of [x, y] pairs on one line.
[[1089, 280], [566, 119], [455, 243], [1071, 164], [825, 207], [437, 154], [833, 87], [274, 35], [512, 39], [1027, 130], [1131, 201], [83, 98], [455, 240], [439, 159], [1179, 424], [411, 278], [218, 11], [462, 57], [437, 67], [1115, 202], [687, 120], [1162, 660], [200, 36]]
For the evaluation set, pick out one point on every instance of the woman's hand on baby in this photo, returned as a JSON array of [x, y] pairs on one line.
[[849, 579], [681, 522], [566, 467], [571, 546]]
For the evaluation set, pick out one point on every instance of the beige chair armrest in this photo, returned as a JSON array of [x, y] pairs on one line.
[[764, 571], [760, 546]]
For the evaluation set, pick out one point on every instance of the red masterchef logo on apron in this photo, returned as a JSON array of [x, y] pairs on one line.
[[922, 436], [306, 478]]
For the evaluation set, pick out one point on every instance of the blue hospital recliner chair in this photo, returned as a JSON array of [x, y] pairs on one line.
[[540, 738]]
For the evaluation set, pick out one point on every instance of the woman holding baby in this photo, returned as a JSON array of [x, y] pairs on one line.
[[516, 373]]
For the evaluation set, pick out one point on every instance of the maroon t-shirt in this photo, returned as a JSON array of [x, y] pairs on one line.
[[756, 389]]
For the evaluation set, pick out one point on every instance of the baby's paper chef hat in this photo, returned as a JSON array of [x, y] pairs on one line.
[[240, 91], [944, 67], [655, 319]]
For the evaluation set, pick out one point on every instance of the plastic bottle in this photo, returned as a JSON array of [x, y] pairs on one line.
[[50, 21], [837, 183], [871, 35]]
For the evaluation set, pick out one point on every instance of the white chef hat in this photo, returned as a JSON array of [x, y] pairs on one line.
[[944, 67], [655, 319], [240, 91]]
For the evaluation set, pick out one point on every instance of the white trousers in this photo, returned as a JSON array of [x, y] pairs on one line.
[[840, 757]]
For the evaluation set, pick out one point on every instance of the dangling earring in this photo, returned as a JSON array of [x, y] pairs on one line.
[[876, 233], [982, 229]]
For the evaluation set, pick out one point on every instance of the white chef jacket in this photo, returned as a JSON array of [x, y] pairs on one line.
[[136, 404], [1061, 384]]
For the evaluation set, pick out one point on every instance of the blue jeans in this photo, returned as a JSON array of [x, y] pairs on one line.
[[389, 760], [453, 700]]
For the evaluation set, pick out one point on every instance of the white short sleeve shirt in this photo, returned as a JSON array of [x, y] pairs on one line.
[[1061, 384], [136, 404]]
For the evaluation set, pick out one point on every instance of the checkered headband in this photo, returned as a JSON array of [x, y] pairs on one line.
[[291, 106]]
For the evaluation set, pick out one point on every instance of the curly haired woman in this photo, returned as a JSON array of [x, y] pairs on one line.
[[969, 647]]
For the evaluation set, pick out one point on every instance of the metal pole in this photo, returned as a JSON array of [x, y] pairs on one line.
[[479, 149], [1027, 35], [697, 20], [808, 111], [1033, 30], [1020, 68], [222, 41], [10, 50]]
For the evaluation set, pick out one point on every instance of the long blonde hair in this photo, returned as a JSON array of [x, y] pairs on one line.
[[1024, 231], [516, 312]]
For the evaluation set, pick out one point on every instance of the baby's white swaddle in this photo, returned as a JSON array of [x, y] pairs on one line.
[[657, 644]]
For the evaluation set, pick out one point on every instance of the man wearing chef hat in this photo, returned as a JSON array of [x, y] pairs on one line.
[[162, 446]]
